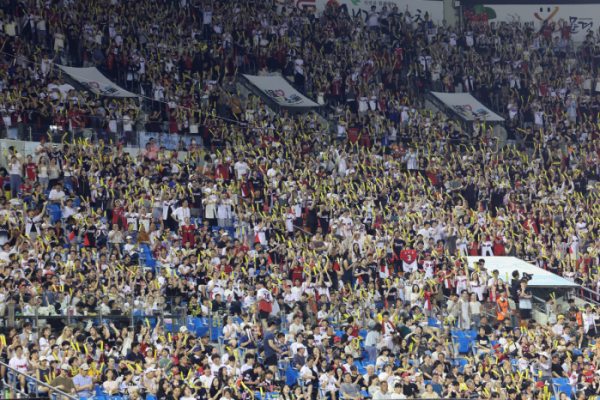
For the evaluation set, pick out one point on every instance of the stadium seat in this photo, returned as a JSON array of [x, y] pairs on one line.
[[291, 376]]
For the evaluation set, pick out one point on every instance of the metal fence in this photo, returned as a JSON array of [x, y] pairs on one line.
[[171, 313], [11, 389]]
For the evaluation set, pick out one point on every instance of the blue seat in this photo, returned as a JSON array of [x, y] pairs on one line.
[[291, 376], [366, 363], [464, 344], [471, 334], [558, 381], [568, 389]]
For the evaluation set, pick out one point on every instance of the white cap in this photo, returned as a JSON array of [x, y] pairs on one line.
[[84, 367]]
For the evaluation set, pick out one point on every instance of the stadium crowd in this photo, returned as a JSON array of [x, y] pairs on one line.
[[365, 305]]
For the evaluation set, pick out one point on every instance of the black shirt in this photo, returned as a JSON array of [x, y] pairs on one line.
[[557, 368], [488, 330], [134, 357], [410, 390], [249, 376]]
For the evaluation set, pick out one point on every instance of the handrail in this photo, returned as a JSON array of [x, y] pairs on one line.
[[36, 383]]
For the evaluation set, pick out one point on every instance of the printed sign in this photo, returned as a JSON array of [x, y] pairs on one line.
[[280, 91], [95, 82], [467, 107]]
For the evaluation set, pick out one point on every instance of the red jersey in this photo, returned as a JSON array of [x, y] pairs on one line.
[[30, 171], [408, 256]]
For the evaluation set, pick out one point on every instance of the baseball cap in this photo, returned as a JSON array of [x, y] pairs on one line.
[[84, 367], [65, 367]]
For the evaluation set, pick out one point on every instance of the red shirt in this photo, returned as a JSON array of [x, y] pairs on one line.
[[26, 188], [30, 171]]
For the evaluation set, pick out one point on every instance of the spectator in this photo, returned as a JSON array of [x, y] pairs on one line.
[[82, 382], [62, 382]]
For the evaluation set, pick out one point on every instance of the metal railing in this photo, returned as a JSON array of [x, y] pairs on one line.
[[33, 385], [131, 317]]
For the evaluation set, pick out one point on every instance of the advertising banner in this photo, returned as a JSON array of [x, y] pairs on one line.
[[168, 140], [581, 18], [280, 91], [95, 82], [467, 107]]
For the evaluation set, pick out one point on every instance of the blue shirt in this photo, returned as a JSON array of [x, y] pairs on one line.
[[268, 350], [437, 388], [79, 380]]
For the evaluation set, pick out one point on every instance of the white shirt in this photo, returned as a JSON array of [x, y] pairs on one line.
[[307, 371], [181, 213], [265, 294], [15, 169], [56, 194], [20, 364], [241, 168]]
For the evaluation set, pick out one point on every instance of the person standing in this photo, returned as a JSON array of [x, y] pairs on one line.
[[14, 169], [525, 302], [502, 307], [271, 348], [372, 340], [464, 309]]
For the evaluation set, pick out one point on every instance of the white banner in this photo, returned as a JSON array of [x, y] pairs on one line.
[[280, 91], [417, 8], [467, 106], [582, 18], [95, 82]]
